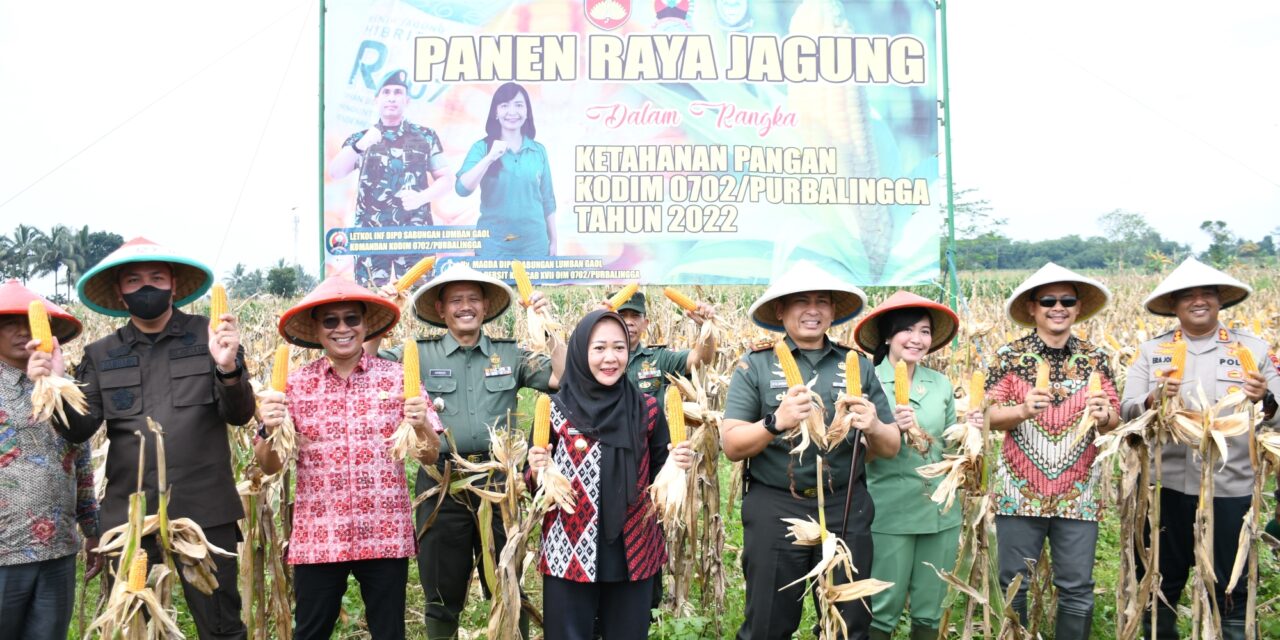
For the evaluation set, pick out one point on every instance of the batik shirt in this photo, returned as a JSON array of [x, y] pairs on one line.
[[352, 497], [46, 483], [406, 156], [1045, 470]]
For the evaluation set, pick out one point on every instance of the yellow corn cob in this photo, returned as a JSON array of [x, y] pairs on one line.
[[1257, 327], [542, 421], [38, 318], [523, 285], [412, 376], [1179, 362], [1042, 375], [1095, 382], [977, 390], [685, 302], [901, 384], [1246, 359], [416, 271], [790, 370], [620, 298], [217, 304], [1115, 345], [852, 374], [280, 369], [138, 572], [675, 415]]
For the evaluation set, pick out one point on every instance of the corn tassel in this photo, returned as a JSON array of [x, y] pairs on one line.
[[853, 374], [523, 285], [681, 300], [1178, 363], [542, 421], [217, 305], [38, 318], [138, 572], [1042, 375], [675, 414], [620, 298], [405, 442], [901, 384], [416, 271]]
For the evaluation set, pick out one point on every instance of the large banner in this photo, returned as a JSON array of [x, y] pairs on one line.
[[689, 141]]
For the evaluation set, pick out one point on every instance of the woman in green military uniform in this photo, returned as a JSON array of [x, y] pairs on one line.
[[910, 529]]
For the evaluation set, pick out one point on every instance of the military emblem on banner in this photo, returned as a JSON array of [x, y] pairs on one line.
[[607, 14]]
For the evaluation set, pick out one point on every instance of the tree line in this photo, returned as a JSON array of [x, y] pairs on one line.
[[63, 252]]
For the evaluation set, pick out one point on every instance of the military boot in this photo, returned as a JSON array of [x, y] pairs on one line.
[[1073, 626]]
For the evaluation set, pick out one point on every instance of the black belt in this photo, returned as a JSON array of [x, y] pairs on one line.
[[811, 492], [473, 458]]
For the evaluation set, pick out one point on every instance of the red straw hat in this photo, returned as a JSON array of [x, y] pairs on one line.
[[298, 327], [945, 321], [15, 299]]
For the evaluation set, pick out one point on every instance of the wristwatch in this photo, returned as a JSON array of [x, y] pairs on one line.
[[771, 424], [235, 373]]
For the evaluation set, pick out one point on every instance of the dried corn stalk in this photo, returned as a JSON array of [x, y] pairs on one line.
[[50, 391]]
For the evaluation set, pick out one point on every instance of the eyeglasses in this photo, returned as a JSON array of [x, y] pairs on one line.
[[351, 320], [1067, 301]]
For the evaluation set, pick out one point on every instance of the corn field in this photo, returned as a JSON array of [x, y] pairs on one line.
[[704, 593]]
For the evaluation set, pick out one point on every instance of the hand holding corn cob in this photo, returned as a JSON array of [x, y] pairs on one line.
[[554, 489], [797, 408], [283, 437], [45, 369], [670, 487], [541, 330], [406, 440]]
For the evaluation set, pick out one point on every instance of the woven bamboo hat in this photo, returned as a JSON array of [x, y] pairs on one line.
[[97, 287], [1093, 295], [1193, 273], [945, 321], [804, 276], [495, 290], [299, 327], [15, 299]]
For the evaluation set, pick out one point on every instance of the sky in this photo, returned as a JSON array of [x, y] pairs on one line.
[[196, 124]]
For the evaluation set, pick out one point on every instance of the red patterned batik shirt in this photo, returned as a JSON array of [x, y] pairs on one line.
[[352, 497], [1044, 470]]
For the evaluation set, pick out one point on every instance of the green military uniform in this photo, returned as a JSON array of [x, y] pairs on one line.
[[782, 485], [910, 529], [473, 388], [649, 364]]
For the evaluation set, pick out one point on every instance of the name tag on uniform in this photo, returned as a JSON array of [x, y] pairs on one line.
[[188, 352], [497, 371], [439, 373], [838, 383], [777, 384], [1161, 359], [649, 373], [118, 363]]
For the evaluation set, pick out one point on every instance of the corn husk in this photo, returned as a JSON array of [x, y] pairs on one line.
[[48, 394]]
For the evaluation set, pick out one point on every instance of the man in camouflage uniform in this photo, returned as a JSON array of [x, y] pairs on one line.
[[1195, 293], [402, 169], [474, 381]]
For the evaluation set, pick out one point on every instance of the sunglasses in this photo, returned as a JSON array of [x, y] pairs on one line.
[[1067, 301], [351, 320]]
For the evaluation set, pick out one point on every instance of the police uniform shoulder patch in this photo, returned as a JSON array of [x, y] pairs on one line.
[[502, 340], [436, 338], [656, 346], [762, 344]]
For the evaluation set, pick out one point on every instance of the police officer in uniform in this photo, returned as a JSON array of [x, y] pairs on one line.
[[1195, 293], [649, 364], [474, 381], [187, 373], [804, 303]]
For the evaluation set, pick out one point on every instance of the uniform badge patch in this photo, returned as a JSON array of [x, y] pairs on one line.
[[122, 399]]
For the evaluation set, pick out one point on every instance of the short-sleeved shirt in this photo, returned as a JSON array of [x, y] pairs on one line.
[[476, 388], [352, 498], [902, 495], [649, 364], [757, 389], [46, 482], [406, 156], [515, 199], [1211, 366], [1044, 471]]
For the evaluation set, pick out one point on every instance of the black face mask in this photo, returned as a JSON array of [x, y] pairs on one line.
[[148, 303]]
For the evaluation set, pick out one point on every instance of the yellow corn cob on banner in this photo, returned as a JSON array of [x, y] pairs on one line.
[[1246, 359], [38, 318], [852, 374], [901, 384], [217, 303], [620, 298], [138, 571], [1178, 364], [790, 370], [1042, 375], [681, 300], [412, 375], [542, 421], [977, 390], [416, 271], [523, 285], [280, 369], [675, 415]]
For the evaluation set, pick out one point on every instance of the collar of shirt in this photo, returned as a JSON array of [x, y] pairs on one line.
[[451, 344], [825, 349], [361, 366], [131, 334], [1035, 345], [1207, 342]]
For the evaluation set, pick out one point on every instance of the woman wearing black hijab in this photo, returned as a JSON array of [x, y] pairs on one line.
[[609, 440]]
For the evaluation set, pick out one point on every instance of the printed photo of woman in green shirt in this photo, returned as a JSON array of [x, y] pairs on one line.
[[517, 203]]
